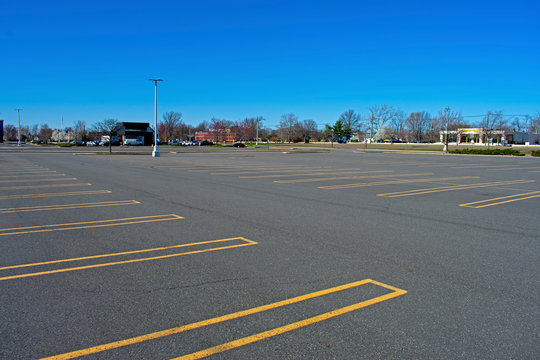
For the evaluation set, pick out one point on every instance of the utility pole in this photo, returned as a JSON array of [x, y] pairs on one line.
[[155, 153], [446, 115], [19, 128], [257, 138]]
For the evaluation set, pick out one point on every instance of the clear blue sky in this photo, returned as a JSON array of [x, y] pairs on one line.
[[91, 60]]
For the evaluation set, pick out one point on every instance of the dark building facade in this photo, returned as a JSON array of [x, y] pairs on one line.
[[136, 131], [1, 131]]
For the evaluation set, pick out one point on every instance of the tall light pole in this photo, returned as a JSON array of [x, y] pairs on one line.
[[155, 153], [19, 128]]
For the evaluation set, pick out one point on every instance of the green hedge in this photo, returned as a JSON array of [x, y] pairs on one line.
[[535, 153], [488, 152]]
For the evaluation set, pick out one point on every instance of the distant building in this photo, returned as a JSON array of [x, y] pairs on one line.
[[215, 136], [142, 132], [474, 136], [1, 131]]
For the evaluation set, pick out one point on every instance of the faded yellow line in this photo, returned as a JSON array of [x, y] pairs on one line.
[[534, 171], [453, 188], [234, 171], [71, 193], [511, 198], [41, 186], [516, 168], [312, 173], [283, 329], [35, 180], [216, 320], [274, 171], [88, 224], [68, 206], [478, 166], [34, 176], [247, 243], [380, 183], [350, 177]]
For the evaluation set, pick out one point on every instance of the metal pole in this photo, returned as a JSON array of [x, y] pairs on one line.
[[19, 128], [257, 141], [155, 152]]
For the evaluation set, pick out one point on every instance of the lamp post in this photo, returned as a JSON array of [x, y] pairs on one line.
[[155, 152], [19, 128]]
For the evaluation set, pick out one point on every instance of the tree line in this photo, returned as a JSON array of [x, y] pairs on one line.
[[380, 122]]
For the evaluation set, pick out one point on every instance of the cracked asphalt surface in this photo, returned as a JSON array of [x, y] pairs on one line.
[[471, 275]]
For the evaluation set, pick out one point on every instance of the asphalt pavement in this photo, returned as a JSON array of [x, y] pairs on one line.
[[254, 254]]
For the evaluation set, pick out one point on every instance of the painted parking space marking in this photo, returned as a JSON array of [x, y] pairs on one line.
[[453, 188], [214, 350], [516, 168], [350, 177], [274, 171], [391, 182], [501, 200], [41, 186], [237, 242], [69, 193], [236, 170], [88, 224], [33, 175], [35, 180], [315, 173], [68, 206]]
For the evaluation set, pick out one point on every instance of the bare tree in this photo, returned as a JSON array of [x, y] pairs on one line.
[[287, 125], [534, 124], [417, 123], [172, 121], [10, 132], [219, 128], [492, 122], [80, 130], [379, 116], [45, 133], [107, 126], [350, 120], [449, 120]]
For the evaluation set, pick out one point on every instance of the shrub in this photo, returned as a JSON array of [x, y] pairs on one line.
[[535, 153], [488, 152]]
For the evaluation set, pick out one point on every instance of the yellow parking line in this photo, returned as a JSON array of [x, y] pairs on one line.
[[516, 168], [40, 174], [245, 242], [380, 183], [72, 193], [453, 188], [35, 180], [534, 171], [41, 186], [299, 324], [233, 171], [159, 334], [493, 201], [88, 224], [350, 177], [68, 206], [274, 171], [314, 173], [472, 166]]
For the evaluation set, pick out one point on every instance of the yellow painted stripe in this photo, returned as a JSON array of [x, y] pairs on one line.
[[272, 171], [508, 199], [283, 329], [453, 188], [68, 206], [71, 193], [384, 176], [33, 175], [35, 180], [380, 183], [88, 224], [11, 277], [216, 320], [233, 171], [311, 173], [41, 186], [516, 168]]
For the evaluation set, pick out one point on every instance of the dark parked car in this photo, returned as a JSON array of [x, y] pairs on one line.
[[205, 143], [239, 145]]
